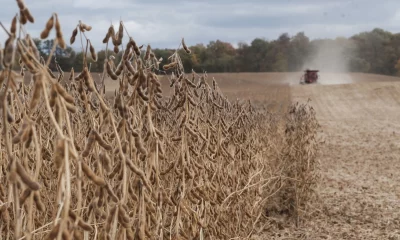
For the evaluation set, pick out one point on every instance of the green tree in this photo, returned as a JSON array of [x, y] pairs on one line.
[[258, 59], [220, 57], [376, 48], [281, 63]]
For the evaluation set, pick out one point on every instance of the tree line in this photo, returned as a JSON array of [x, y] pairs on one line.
[[376, 51]]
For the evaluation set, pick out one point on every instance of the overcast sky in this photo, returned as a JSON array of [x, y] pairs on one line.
[[163, 23]]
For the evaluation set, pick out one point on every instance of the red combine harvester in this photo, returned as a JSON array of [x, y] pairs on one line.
[[309, 76]]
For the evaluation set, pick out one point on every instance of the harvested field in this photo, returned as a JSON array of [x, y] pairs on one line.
[[360, 187]]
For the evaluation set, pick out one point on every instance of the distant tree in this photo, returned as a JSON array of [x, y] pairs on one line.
[[98, 66], [258, 51], [39, 45], [376, 51], [281, 63], [375, 47], [359, 65], [199, 56], [220, 57], [78, 63], [64, 57]]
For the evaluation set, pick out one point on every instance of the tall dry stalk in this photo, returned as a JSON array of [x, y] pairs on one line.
[[143, 166]]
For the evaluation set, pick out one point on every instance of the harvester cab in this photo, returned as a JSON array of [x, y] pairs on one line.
[[309, 76]]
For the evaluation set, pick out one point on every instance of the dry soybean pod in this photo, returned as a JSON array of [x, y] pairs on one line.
[[89, 82], [39, 204], [78, 235], [81, 223], [70, 107], [73, 36], [28, 15], [92, 176], [49, 25], [38, 78], [34, 186], [83, 27], [116, 49], [59, 153], [102, 142], [107, 37], [8, 51], [110, 218], [25, 194], [17, 138], [120, 32], [129, 66], [67, 97], [92, 52], [23, 18], [110, 72], [138, 172], [53, 95], [142, 95], [53, 233], [135, 47], [13, 28], [170, 65], [59, 34], [21, 4], [187, 50], [111, 193], [147, 54], [106, 161], [120, 67]]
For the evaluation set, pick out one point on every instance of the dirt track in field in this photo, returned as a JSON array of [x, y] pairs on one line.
[[360, 159]]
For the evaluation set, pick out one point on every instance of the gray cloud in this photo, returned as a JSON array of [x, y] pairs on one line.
[[163, 23]]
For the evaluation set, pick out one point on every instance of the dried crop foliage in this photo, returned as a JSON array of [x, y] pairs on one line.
[[298, 163], [191, 166]]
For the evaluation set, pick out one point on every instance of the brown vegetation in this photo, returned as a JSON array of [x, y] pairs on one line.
[[193, 165]]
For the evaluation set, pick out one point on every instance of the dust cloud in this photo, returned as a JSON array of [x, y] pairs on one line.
[[329, 57]]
